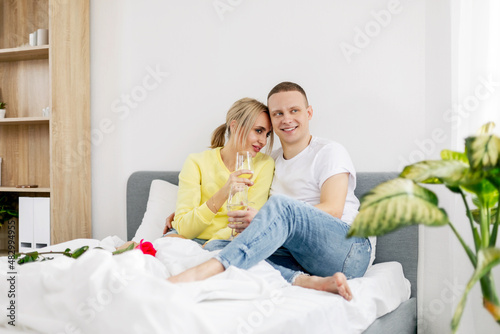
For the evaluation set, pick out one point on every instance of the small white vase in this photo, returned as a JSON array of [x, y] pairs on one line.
[[2, 113]]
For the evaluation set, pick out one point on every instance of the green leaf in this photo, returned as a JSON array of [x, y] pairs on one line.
[[453, 173], [486, 129], [394, 204], [486, 260], [483, 151], [29, 257], [454, 189], [453, 155], [130, 247], [485, 192], [494, 177], [33, 255], [76, 254], [477, 219]]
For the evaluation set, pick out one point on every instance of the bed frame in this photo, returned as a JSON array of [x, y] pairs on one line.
[[400, 245]]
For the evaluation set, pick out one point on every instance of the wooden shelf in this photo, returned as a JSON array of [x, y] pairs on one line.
[[54, 151], [24, 190], [24, 120], [24, 53]]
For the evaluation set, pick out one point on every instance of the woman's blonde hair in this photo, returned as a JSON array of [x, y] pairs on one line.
[[245, 112]]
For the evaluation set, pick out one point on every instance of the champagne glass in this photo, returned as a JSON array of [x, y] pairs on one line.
[[237, 200], [244, 161]]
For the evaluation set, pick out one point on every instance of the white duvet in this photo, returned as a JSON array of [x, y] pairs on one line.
[[129, 293]]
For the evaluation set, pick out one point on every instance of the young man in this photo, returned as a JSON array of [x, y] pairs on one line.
[[301, 229]]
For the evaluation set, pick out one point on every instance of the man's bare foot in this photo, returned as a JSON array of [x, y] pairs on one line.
[[336, 284], [198, 273]]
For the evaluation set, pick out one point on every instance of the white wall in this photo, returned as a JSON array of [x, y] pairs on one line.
[[383, 97], [365, 104]]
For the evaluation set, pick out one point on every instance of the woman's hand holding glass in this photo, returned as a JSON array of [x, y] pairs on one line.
[[241, 219], [237, 200], [236, 177], [243, 171]]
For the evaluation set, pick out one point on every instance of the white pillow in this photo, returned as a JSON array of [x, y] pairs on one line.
[[386, 285], [161, 203]]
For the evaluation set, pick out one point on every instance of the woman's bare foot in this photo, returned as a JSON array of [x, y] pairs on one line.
[[198, 273], [335, 284]]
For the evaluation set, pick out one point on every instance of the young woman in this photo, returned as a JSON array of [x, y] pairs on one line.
[[206, 177]]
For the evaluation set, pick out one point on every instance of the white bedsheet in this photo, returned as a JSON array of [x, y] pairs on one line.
[[129, 293]]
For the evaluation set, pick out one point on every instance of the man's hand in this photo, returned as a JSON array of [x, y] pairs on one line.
[[168, 223], [240, 219]]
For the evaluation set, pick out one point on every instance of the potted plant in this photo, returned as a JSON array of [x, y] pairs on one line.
[[474, 173], [2, 109], [8, 207]]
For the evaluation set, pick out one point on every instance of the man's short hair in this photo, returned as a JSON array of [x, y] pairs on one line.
[[287, 86]]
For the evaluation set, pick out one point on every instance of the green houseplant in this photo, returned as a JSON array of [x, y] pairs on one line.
[[474, 173], [8, 208]]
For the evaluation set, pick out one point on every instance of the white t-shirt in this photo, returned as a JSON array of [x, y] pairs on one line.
[[303, 176]]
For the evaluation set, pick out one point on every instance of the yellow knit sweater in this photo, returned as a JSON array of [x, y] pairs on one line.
[[201, 177]]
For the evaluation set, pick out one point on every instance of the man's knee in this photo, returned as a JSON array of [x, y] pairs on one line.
[[279, 199]]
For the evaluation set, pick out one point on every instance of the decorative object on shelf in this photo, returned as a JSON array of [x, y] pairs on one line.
[[2, 109], [34, 223], [46, 112], [27, 186], [476, 172], [42, 37], [33, 39], [8, 207]]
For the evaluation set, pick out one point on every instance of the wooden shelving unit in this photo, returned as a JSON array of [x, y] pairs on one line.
[[24, 53], [51, 152], [24, 120], [24, 190]]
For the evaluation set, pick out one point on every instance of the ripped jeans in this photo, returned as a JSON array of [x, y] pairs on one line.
[[296, 238]]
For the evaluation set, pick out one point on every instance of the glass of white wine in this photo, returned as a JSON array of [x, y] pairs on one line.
[[244, 161], [237, 200]]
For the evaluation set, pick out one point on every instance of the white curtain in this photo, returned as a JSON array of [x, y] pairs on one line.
[[475, 61], [475, 65]]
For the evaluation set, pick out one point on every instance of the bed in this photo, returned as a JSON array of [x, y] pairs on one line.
[[129, 293], [400, 246]]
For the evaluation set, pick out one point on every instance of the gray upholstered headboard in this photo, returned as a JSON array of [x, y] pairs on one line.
[[400, 245]]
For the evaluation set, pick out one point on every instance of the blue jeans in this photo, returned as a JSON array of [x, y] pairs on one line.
[[281, 259], [315, 241]]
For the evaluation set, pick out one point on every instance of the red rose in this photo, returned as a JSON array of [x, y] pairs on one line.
[[146, 247]]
